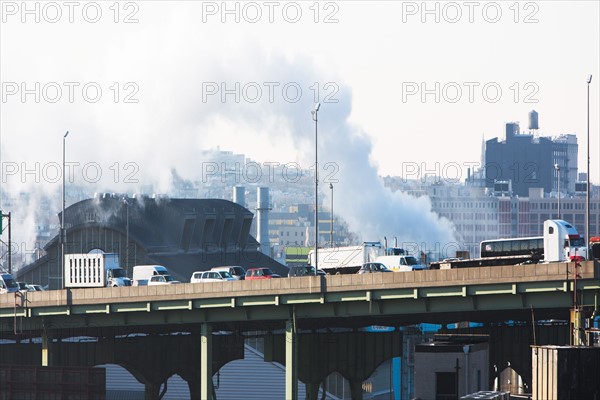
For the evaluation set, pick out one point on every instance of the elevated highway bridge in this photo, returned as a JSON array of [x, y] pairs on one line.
[[296, 306]]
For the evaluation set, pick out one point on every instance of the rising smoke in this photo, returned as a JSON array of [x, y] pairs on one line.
[[138, 145]]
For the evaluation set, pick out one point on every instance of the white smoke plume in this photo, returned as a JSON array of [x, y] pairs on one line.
[[128, 147]]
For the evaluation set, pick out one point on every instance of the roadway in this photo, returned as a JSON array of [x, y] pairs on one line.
[[342, 300]]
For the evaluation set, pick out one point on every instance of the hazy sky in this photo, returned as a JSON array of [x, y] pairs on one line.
[[424, 81], [406, 88]]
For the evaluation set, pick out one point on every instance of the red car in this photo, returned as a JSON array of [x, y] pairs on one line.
[[260, 273]]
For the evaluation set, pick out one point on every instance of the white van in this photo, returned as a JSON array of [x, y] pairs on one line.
[[143, 273], [400, 263], [8, 284]]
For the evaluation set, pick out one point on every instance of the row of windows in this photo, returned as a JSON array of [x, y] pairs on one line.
[[470, 216], [469, 205], [287, 233], [476, 228], [506, 206], [564, 205]]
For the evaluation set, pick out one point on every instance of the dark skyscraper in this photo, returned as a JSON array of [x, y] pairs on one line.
[[528, 161]]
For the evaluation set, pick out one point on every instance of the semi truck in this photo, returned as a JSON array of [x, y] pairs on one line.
[[94, 270], [560, 243]]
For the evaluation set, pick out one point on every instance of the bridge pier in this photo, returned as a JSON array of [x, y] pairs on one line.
[[312, 390], [151, 391], [45, 352], [291, 361], [206, 343], [356, 390]]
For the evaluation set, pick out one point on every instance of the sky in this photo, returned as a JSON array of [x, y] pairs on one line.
[[405, 87]]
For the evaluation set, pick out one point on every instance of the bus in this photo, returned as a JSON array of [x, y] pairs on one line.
[[530, 246]]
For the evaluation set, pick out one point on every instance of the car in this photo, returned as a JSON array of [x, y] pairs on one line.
[[304, 270], [373, 267], [36, 288], [260, 273], [235, 271], [161, 280], [211, 276]]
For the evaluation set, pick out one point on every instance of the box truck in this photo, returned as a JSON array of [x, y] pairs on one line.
[[345, 260], [94, 270], [142, 275]]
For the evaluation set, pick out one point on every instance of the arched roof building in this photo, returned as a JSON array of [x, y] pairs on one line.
[[185, 235]]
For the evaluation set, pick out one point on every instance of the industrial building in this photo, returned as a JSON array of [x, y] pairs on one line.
[[526, 160], [185, 235]]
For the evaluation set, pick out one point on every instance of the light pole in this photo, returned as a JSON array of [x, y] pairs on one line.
[[557, 168], [62, 222], [316, 119], [126, 235], [331, 233], [587, 184]]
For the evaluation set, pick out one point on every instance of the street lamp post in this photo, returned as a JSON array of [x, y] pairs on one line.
[[62, 222], [331, 233], [587, 184], [126, 234], [315, 118], [557, 168]]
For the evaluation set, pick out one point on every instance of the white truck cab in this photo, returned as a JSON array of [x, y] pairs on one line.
[[562, 242]]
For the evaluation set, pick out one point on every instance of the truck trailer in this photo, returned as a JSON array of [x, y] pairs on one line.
[[94, 270], [345, 260]]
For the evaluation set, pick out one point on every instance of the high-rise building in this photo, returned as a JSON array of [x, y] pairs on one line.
[[528, 161]]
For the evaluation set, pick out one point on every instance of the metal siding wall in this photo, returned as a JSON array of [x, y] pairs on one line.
[[248, 379]]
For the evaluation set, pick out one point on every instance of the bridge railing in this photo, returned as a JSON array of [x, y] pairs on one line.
[[319, 284]]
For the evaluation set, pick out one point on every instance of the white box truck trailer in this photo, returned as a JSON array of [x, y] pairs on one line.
[[94, 270], [345, 260]]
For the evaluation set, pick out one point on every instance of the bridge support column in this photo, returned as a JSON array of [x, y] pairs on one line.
[[151, 391], [206, 387], [195, 388], [45, 352], [356, 389], [312, 391], [291, 361]]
